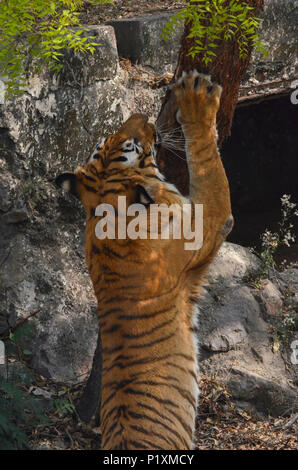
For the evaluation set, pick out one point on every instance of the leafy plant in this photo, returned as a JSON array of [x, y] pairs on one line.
[[18, 412], [63, 406], [288, 324], [212, 21], [284, 237], [38, 29]]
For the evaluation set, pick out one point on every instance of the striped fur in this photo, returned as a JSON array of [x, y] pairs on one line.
[[146, 288]]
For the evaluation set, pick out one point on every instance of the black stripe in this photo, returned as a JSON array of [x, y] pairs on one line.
[[117, 180], [134, 415], [115, 299], [117, 433], [111, 191], [146, 360], [142, 430], [186, 426], [89, 178], [91, 213], [116, 363], [168, 377], [139, 445], [121, 410], [184, 393], [172, 191], [112, 329], [113, 350], [148, 315], [95, 250], [107, 400], [111, 253], [152, 343], [117, 150], [152, 446], [145, 333], [119, 159], [93, 170], [111, 429], [130, 391], [185, 356], [89, 188], [97, 156], [109, 312], [148, 407]]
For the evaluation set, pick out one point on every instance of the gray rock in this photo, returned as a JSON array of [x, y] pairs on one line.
[[289, 278], [4, 201], [51, 279], [241, 264], [235, 318], [87, 69], [49, 129], [270, 299], [15, 216], [59, 119], [269, 396], [140, 40], [235, 333], [278, 31]]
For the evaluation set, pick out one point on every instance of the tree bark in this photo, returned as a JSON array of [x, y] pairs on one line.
[[228, 70]]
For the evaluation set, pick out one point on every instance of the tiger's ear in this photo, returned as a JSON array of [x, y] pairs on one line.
[[68, 182], [143, 197]]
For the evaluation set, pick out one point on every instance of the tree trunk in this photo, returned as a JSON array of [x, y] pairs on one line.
[[90, 401], [227, 70]]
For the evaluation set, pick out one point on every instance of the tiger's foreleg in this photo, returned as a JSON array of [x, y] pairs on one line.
[[198, 102]]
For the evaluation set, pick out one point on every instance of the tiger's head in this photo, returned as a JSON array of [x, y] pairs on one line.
[[119, 165]]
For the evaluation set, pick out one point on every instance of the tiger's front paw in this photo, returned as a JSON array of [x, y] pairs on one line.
[[198, 99]]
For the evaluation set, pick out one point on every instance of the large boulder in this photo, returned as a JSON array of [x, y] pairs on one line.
[[59, 118], [237, 318]]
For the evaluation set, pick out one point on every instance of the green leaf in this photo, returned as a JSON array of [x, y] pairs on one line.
[[27, 352]]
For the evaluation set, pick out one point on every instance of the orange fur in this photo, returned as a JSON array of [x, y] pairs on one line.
[[146, 288]]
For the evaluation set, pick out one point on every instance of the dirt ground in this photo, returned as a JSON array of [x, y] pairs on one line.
[[220, 425]]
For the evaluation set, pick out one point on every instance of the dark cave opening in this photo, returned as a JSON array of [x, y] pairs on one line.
[[260, 158]]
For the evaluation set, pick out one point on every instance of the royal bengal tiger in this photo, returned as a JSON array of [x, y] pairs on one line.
[[146, 287]]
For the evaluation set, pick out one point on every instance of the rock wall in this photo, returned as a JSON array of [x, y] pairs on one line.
[[52, 127], [237, 335]]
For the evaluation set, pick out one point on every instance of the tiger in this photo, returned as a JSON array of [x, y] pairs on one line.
[[147, 288]]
